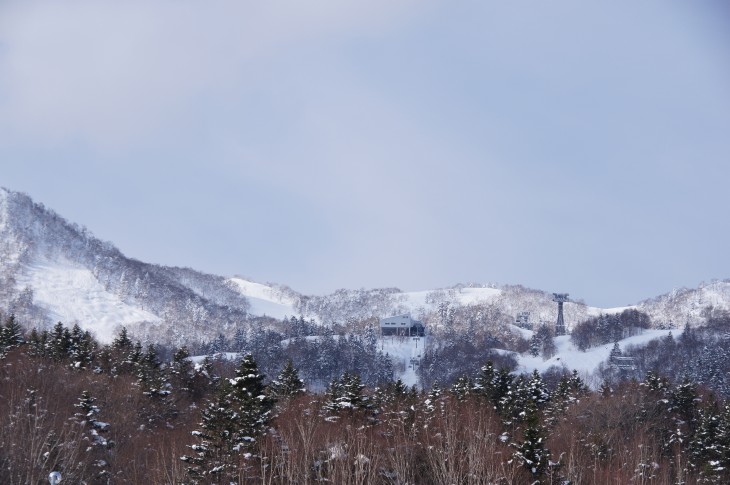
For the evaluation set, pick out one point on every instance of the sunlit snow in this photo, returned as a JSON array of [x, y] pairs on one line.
[[404, 352], [584, 362], [71, 293], [265, 300]]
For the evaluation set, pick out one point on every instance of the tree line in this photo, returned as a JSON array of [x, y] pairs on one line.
[[119, 414]]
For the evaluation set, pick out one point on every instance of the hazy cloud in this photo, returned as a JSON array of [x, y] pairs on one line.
[[570, 146]]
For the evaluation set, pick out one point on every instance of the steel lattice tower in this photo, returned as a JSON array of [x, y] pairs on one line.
[[560, 298]]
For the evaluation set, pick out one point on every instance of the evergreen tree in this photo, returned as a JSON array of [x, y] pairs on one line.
[[708, 447], [219, 344], [513, 402], [214, 458], [371, 339], [544, 342], [59, 342], [288, 383], [98, 444], [568, 391], [684, 401], [88, 412], [333, 394], [655, 383], [149, 376], [531, 452], [484, 382], [230, 426], [536, 389], [535, 345], [352, 397], [122, 342], [135, 355], [503, 385], [398, 390], [81, 348], [462, 388], [434, 400], [383, 372], [239, 340], [615, 352], [181, 370], [37, 342], [605, 390], [251, 402], [11, 335]]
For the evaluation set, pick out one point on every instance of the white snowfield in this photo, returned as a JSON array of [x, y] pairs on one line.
[[405, 352], [584, 362], [265, 300], [418, 303], [595, 311], [71, 294]]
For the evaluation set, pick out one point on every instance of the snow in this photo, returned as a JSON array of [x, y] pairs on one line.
[[401, 350], [584, 362], [469, 296], [415, 301], [3, 209], [70, 293], [595, 311], [265, 300]]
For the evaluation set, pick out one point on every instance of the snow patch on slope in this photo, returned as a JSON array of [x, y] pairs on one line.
[[418, 303], [469, 296], [595, 311], [265, 300], [584, 362], [71, 293], [402, 351]]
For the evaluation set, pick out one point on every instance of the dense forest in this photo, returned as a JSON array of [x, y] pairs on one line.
[[122, 413]]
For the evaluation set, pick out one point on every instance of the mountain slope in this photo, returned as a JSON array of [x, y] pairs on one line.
[[54, 270], [689, 306], [51, 270]]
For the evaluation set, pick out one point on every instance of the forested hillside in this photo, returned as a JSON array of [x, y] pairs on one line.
[[41, 249], [53, 270], [121, 413]]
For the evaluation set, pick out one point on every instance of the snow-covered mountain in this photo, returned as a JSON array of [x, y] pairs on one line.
[[53, 270], [693, 306]]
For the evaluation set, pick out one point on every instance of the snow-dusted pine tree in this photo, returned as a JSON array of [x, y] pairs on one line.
[[251, 401], [531, 451], [230, 426], [11, 334], [288, 383]]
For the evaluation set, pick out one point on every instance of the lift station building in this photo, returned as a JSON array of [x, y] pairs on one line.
[[402, 325]]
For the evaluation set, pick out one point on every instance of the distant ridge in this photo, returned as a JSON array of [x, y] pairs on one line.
[[52, 269]]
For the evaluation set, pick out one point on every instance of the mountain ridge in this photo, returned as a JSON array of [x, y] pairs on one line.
[[48, 264]]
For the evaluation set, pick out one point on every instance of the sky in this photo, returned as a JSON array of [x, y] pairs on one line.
[[569, 146]]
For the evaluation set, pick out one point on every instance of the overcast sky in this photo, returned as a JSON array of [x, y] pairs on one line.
[[571, 146]]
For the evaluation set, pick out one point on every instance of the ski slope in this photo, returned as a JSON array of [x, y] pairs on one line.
[[265, 300], [584, 362], [403, 351], [71, 293]]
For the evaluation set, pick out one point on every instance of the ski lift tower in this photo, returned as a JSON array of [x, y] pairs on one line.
[[560, 298]]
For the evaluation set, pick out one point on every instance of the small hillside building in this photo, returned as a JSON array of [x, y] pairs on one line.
[[402, 325]]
